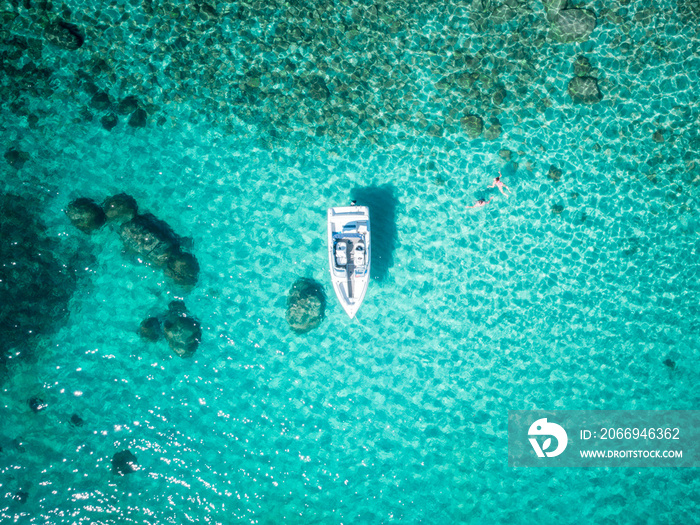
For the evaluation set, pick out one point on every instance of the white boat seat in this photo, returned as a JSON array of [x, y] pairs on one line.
[[341, 253], [358, 254]]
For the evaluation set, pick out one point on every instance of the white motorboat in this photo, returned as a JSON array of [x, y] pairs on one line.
[[349, 254]]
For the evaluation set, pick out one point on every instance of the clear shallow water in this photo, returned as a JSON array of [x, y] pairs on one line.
[[401, 415]]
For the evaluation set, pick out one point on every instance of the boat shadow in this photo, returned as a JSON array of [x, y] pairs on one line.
[[381, 202]]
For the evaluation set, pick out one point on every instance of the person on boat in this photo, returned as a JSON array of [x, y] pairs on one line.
[[480, 203], [497, 183]]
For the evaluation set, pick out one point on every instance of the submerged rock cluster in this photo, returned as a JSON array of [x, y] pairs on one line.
[[152, 239], [306, 305], [63, 34], [182, 331], [120, 207], [350, 72], [569, 24], [16, 158], [583, 88], [86, 215], [142, 234], [124, 462], [36, 404], [346, 71], [128, 107], [154, 242]]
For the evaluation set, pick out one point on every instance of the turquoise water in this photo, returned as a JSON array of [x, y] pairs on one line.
[[569, 294]]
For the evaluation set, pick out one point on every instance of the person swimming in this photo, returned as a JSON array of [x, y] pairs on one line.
[[497, 183], [480, 203]]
